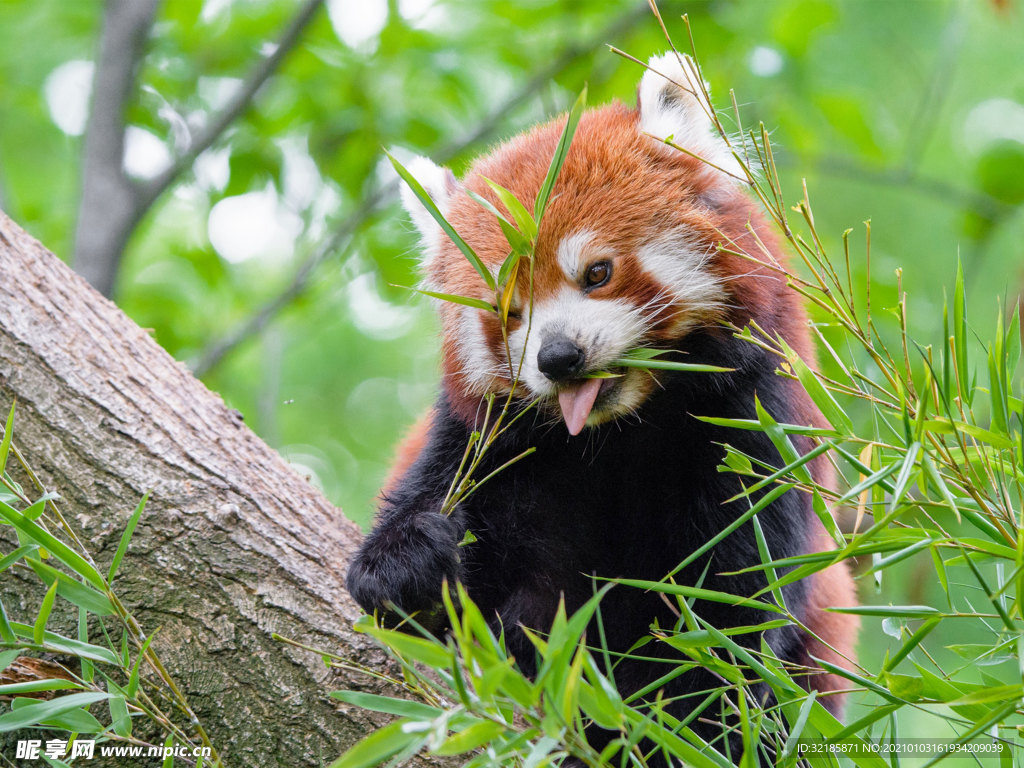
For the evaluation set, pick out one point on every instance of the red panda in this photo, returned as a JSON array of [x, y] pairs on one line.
[[624, 480]]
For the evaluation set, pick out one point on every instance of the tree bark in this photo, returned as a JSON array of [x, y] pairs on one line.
[[233, 545]]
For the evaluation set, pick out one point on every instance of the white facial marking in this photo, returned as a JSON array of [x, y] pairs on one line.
[[672, 104], [678, 260], [570, 253], [477, 363]]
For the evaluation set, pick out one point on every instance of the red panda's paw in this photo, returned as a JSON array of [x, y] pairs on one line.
[[405, 565]]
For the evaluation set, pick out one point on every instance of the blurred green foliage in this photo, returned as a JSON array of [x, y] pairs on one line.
[[910, 114]]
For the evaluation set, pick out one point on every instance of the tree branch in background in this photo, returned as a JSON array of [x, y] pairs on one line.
[[112, 205], [235, 108], [384, 194], [108, 211]]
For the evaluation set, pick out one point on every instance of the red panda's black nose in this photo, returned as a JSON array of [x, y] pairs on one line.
[[559, 358]]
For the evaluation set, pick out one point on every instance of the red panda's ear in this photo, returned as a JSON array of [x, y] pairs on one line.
[[672, 105], [440, 184]]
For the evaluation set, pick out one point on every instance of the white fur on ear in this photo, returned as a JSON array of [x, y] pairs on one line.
[[440, 184], [672, 104]]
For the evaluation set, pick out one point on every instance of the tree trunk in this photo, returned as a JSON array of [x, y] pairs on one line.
[[234, 545]]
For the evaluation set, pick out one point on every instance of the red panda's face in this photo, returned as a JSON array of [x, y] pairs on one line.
[[626, 256]]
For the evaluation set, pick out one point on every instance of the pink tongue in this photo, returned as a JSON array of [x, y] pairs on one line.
[[576, 401]]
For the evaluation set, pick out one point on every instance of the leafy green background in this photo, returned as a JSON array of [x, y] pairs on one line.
[[910, 114]]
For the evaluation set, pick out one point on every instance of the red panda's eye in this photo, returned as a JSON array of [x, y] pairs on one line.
[[598, 274]]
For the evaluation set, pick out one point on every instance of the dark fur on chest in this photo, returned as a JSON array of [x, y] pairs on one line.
[[628, 499]]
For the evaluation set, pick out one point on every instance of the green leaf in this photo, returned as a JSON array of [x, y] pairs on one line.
[[6, 657], [428, 652], [990, 695], [38, 712], [133, 676], [561, 151], [473, 737], [120, 720], [6, 631], [960, 335], [168, 752], [822, 398], [906, 687], [61, 644], [797, 728], [400, 707], [73, 591], [5, 445], [697, 593], [669, 365], [379, 746], [75, 721], [525, 222], [432, 209], [44, 614], [16, 555], [516, 240], [54, 546], [58, 684], [126, 537], [904, 611], [468, 301]]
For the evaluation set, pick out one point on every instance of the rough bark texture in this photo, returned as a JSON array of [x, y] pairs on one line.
[[234, 544]]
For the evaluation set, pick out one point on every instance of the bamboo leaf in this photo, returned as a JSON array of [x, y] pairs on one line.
[[31, 686], [44, 614], [433, 210], [5, 445], [126, 537], [822, 398], [561, 151], [73, 591], [54, 546], [61, 644], [379, 746], [524, 220], [468, 301], [120, 719], [399, 707], [42, 711]]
